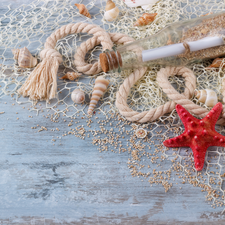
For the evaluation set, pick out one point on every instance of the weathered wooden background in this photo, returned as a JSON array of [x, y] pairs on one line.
[[70, 182]]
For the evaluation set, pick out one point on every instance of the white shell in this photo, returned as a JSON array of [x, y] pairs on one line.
[[78, 96], [24, 58], [145, 4], [141, 133], [111, 14], [100, 87], [207, 96]]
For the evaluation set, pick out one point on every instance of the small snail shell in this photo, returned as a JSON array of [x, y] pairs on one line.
[[207, 96], [78, 96], [70, 76], [145, 19], [111, 11], [83, 10], [216, 63], [141, 133], [100, 87], [24, 58]]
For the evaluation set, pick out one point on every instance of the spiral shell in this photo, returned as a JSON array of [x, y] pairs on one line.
[[141, 133], [145, 19], [83, 10], [78, 96], [216, 63], [70, 76], [111, 11], [24, 58], [100, 87], [207, 96]]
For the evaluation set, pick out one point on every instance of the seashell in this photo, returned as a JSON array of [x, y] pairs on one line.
[[207, 96], [24, 58], [111, 11], [145, 19], [100, 87], [78, 96], [70, 76], [83, 10], [145, 4], [216, 63], [141, 133]]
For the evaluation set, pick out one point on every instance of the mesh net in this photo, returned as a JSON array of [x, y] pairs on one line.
[[30, 25]]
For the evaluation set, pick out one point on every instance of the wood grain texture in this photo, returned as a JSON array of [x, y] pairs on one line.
[[70, 182]]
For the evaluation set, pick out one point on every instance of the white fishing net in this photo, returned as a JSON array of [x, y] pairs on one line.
[[30, 25]]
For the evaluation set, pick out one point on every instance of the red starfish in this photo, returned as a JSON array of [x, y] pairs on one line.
[[198, 134]]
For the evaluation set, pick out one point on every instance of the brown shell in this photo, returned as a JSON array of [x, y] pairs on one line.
[[70, 76], [109, 5], [24, 58], [216, 63], [145, 19], [83, 10]]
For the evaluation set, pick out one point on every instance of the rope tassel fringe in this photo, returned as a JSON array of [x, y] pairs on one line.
[[42, 82]]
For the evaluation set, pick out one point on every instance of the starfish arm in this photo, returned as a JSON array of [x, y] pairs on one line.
[[179, 141], [213, 115], [218, 140], [187, 119], [199, 156]]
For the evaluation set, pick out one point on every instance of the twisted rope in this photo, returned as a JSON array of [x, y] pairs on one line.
[[177, 98], [79, 57]]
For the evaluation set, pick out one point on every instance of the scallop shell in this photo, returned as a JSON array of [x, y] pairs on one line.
[[70, 76], [78, 96], [100, 87], [83, 10], [111, 11], [207, 96], [216, 63], [24, 58], [141, 133], [145, 19]]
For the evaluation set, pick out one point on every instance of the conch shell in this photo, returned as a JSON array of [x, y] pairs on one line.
[[100, 87], [78, 96], [207, 96], [24, 58], [83, 10], [111, 11], [70, 76], [145, 19], [216, 63]]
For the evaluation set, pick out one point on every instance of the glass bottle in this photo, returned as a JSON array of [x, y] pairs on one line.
[[178, 44]]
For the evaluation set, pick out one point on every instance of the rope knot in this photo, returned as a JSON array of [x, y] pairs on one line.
[[49, 52]]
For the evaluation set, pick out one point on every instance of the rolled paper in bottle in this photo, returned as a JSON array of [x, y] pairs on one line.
[[177, 49]]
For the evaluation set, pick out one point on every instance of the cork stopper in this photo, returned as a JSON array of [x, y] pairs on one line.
[[110, 61]]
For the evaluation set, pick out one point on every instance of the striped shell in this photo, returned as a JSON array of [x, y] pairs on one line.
[[78, 96], [100, 87], [145, 19], [24, 58], [207, 96], [83, 10]]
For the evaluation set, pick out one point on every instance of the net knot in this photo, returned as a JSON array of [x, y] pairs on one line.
[[49, 52]]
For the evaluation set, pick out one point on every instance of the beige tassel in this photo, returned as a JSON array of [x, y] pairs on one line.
[[83, 10], [100, 87], [70, 76], [42, 82], [145, 19], [24, 58]]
